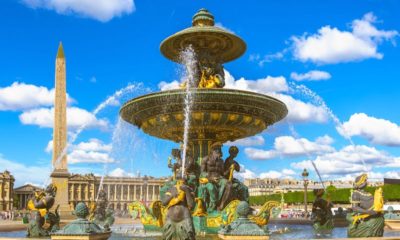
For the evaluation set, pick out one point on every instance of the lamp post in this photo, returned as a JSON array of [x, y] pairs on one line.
[[305, 181]]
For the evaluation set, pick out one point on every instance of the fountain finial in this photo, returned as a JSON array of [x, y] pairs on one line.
[[203, 18]]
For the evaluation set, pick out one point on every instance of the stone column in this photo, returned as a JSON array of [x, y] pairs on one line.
[[147, 193], [115, 192], [122, 192], [108, 192], [79, 192], [141, 191], [86, 192], [73, 192], [129, 193], [152, 193], [134, 192]]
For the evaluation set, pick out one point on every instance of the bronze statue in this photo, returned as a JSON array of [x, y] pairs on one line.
[[179, 202], [41, 203], [322, 213], [212, 182], [366, 220]]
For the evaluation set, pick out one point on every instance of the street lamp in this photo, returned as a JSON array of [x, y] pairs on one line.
[[305, 181]]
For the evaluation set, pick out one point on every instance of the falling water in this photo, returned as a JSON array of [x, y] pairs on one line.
[[188, 58], [110, 101], [296, 135], [320, 102]]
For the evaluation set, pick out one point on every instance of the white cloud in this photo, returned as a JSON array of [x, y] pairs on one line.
[[244, 173], [101, 10], [250, 141], [93, 145], [220, 25], [267, 58], [93, 151], [299, 111], [119, 172], [314, 75], [331, 45], [164, 86], [263, 85], [22, 96], [349, 160], [76, 117], [376, 130], [288, 146], [22, 173]]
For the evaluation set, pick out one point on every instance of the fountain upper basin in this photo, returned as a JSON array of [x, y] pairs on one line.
[[217, 114]]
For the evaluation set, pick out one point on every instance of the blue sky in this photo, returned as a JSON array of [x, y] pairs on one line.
[[344, 51]]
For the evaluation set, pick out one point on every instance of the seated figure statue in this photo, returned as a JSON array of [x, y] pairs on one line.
[[321, 213], [41, 203], [234, 189], [179, 202], [366, 220], [192, 170], [211, 180]]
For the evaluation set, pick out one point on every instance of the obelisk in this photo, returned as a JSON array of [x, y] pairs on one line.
[[60, 172]]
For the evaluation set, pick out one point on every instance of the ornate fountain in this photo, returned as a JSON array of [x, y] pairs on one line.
[[217, 115]]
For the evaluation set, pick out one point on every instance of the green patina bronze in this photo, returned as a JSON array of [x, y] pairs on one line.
[[82, 227], [367, 219], [243, 226], [41, 204], [217, 115], [322, 214]]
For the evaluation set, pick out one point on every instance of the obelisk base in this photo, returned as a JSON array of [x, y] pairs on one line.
[[59, 179]]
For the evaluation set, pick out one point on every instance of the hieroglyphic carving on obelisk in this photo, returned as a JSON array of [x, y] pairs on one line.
[[60, 175], [60, 114]]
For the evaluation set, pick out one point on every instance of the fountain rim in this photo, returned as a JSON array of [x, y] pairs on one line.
[[201, 90], [203, 30]]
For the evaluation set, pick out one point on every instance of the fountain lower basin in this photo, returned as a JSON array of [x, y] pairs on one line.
[[217, 114]]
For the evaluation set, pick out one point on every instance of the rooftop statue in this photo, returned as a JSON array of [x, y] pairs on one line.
[[41, 204], [366, 220]]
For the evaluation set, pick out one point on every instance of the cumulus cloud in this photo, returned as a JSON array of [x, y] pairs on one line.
[[101, 10], [331, 45], [288, 146], [21, 96], [93, 151], [119, 172], [350, 160], [375, 130], [250, 141], [299, 111], [164, 86], [314, 75], [21, 171], [220, 25], [264, 85], [76, 117]]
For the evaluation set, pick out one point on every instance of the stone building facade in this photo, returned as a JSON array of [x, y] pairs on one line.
[[6, 191], [266, 186], [120, 190], [23, 194]]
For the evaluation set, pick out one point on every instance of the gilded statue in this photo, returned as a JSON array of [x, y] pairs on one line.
[[367, 219], [41, 203], [179, 202]]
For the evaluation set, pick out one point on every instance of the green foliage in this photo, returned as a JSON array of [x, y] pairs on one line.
[[342, 196]]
